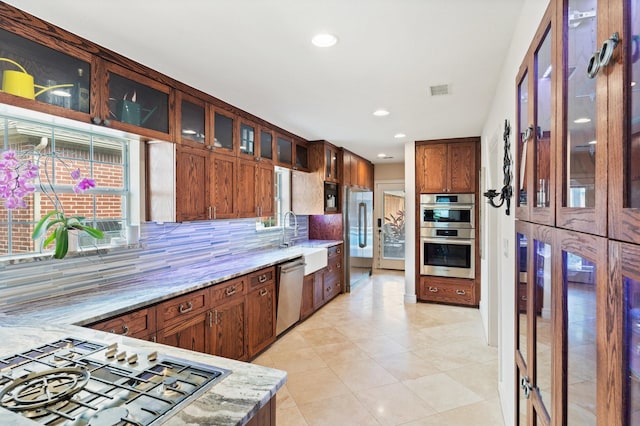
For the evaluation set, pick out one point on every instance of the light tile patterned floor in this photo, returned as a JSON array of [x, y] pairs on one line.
[[369, 359]]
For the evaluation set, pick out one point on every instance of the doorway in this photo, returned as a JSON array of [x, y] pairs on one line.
[[390, 223]]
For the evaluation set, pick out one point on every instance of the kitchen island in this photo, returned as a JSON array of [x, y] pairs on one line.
[[233, 401]]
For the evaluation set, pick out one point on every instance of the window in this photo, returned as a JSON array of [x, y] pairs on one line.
[[59, 150], [282, 199]]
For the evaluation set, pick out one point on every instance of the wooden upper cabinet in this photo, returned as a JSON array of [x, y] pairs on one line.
[[266, 143], [225, 133], [326, 160], [49, 75], [192, 123], [265, 190], [302, 155], [192, 180], [439, 166], [284, 151], [247, 136], [255, 189], [223, 183], [133, 102]]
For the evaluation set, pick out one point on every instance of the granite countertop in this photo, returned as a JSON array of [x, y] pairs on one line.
[[233, 401]]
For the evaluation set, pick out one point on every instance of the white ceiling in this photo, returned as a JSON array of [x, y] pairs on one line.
[[257, 55]]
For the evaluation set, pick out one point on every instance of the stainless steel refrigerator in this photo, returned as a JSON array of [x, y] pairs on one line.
[[358, 229]]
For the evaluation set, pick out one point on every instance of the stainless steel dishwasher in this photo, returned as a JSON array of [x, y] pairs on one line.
[[291, 276]]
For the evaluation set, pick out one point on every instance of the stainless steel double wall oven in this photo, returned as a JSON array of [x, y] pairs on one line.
[[447, 235]]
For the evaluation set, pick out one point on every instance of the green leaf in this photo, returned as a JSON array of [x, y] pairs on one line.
[[49, 239], [62, 242], [39, 230]]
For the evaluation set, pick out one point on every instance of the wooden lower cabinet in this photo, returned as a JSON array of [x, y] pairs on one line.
[[306, 307], [458, 291], [227, 329], [140, 324], [318, 289], [266, 416], [188, 333], [261, 317]]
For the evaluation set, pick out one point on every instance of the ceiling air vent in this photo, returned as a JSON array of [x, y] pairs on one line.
[[441, 89]]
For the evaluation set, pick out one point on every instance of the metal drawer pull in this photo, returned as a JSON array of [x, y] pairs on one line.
[[184, 310], [338, 251], [262, 278], [230, 291], [461, 292], [328, 289], [338, 265], [264, 292], [524, 298], [433, 289], [125, 330]]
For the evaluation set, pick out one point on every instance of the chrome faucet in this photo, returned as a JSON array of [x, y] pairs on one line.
[[286, 219]]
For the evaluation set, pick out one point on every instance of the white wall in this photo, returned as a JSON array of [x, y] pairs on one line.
[[499, 257]]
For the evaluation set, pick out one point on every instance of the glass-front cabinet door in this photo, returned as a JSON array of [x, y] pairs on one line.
[[623, 88], [582, 188], [284, 148], [535, 85], [542, 323], [224, 134], [624, 312], [136, 103], [523, 136], [248, 146], [37, 76], [192, 120], [543, 135], [523, 236], [266, 145]]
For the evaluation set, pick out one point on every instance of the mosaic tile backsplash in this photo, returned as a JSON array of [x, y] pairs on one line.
[[162, 247]]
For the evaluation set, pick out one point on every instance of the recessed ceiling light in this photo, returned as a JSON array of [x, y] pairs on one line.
[[399, 135], [582, 120], [382, 155], [380, 112], [324, 40]]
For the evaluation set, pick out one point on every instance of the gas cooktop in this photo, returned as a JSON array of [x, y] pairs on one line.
[[78, 382]]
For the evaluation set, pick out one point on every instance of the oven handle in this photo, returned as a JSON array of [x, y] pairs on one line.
[[448, 206], [449, 240]]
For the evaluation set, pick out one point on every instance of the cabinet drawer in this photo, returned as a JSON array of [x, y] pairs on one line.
[[228, 289], [182, 307], [334, 265], [139, 324], [455, 291], [332, 284], [334, 251], [261, 277]]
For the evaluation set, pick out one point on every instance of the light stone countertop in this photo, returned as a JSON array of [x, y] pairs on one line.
[[232, 401]]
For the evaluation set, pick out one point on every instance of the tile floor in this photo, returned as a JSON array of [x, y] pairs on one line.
[[367, 358]]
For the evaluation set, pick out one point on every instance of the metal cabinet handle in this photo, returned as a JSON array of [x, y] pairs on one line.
[[524, 298], [264, 292], [602, 57], [338, 265], [184, 310], [125, 330], [328, 289], [461, 292], [338, 251], [230, 291], [262, 278], [209, 212], [526, 386], [433, 289]]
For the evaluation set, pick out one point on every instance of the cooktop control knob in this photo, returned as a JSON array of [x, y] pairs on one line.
[[111, 353], [132, 359], [152, 356], [121, 356]]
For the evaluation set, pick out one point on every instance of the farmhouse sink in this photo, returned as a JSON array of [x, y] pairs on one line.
[[315, 258]]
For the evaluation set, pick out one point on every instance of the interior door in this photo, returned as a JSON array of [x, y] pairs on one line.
[[390, 223]]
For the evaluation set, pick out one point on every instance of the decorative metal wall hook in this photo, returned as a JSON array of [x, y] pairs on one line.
[[507, 191]]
